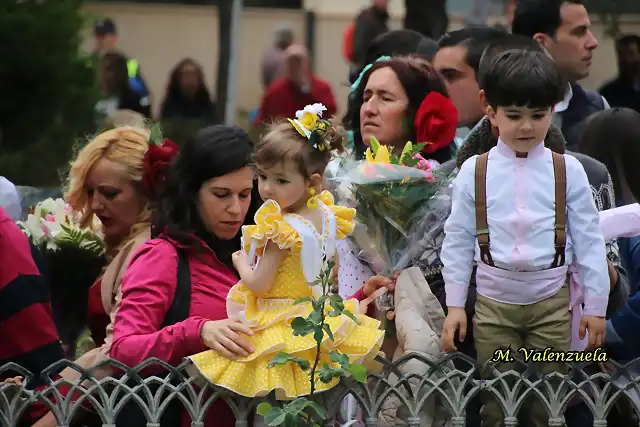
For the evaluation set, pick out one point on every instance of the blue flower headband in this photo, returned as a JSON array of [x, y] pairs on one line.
[[355, 84]]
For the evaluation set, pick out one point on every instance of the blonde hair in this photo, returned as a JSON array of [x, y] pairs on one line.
[[283, 142], [126, 146]]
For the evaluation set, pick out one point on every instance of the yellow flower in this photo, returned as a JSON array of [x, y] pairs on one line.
[[308, 120], [381, 156]]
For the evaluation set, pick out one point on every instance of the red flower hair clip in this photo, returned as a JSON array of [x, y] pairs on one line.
[[156, 164], [435, 122]]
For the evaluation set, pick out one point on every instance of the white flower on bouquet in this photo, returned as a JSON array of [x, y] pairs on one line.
[[53, 222]]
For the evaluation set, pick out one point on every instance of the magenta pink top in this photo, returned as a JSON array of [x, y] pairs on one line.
[[148, 287]]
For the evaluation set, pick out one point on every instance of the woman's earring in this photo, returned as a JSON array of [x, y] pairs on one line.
[[312, 203]]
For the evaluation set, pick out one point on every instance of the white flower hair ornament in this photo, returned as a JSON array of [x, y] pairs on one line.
[[309, 123]]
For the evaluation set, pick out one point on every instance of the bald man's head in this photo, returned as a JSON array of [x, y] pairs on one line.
[[297, 60]]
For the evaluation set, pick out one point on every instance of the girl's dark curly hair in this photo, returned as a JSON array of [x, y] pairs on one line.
[[418, 78]]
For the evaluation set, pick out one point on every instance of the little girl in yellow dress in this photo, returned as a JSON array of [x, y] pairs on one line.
[[296, 230]]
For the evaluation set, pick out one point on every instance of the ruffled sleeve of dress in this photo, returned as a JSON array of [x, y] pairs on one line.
[[345, 217], [270, 225]]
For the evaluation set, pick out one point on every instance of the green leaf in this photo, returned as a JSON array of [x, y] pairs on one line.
[[374, 144], [315, 318], [296, 406], [337, 303], [290, 420], [263, 408], [350, 316], [318, 335], [283, 358], [302, 300], [340, 359], [280, 359], [327, 329], [275, 417], [326, 373], [358, 372], [301, 327], [156, 135], [317, 408]]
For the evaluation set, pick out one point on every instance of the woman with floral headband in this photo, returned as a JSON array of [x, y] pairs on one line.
[[296, 230], [115, 177]]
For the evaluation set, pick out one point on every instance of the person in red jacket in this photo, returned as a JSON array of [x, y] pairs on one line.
[[28, 335], [299, 87]]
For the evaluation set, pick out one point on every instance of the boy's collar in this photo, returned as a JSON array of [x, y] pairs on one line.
[[507, 151]]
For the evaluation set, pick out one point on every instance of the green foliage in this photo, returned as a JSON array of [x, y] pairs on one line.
[[85, 239], [305, 412], [48, 88]]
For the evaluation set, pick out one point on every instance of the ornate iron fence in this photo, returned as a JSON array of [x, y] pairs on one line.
[[405, 392]]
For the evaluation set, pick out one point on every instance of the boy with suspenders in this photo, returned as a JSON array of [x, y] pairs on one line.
[[524, 214]]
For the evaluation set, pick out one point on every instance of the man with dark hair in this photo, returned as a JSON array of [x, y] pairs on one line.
[[624, 90], [563, 28], [458, 60], [105, 33]]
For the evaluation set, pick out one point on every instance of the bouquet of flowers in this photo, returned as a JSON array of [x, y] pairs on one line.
[[52, 224], [69, 257], [392, 195]]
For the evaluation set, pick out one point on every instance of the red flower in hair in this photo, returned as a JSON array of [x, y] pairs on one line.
[[435, 122], [156, 164]]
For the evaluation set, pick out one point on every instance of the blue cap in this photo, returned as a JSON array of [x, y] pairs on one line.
[[104, 27]]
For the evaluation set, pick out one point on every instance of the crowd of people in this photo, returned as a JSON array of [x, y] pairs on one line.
[[180, 224]]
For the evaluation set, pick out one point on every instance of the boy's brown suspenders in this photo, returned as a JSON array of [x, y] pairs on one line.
[[482, 227]]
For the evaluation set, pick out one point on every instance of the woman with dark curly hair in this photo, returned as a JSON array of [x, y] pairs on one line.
[[187, 96]]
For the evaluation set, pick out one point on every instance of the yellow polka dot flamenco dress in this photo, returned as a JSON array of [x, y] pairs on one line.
[[270, 315]]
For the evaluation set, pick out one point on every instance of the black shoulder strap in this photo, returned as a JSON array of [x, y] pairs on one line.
[[181, 304]]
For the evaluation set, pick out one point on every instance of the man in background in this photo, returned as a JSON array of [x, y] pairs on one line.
[[458, 60], [563, 28], [624, 90], [273, 61], [298, 88], [106, 39]]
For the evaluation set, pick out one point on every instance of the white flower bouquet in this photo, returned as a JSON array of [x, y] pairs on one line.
[[70, 258], [52, 224]]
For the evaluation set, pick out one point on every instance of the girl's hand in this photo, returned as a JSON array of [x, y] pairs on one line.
[[225, 337], [240, 260]]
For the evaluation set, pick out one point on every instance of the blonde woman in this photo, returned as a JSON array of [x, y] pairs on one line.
[[114, 177]]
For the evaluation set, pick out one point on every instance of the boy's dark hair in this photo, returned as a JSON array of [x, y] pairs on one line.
[[522, 78], [538, 16], [509, 42], [474, 39]]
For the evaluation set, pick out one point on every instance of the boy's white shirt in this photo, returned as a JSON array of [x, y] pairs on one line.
[[521, 218]]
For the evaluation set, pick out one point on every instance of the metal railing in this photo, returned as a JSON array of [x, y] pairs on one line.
[[405, 391]]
